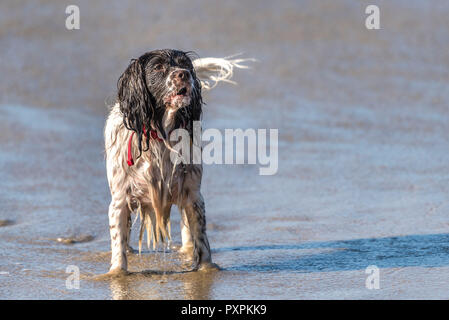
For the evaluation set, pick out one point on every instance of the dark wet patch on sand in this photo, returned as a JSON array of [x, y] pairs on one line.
[[74, 239], [5, 223]]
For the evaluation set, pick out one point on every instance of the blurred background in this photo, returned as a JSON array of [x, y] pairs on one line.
[[363, 154]]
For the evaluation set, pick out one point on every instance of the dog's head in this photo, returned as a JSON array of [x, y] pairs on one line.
[[158, 83]]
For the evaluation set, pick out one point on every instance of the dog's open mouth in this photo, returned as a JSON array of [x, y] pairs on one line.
[[179, 98], [182, 92]]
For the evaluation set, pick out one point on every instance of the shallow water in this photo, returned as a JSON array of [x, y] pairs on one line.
[[363, 154]]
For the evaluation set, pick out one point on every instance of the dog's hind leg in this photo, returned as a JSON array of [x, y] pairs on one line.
[[187, 244], [129, 249]]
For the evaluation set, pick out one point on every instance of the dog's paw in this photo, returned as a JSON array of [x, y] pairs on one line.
[[208, 266], [131, 250], [186, 250], [112, 274]]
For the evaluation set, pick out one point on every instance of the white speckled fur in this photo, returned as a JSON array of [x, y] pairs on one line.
[[154, 183]]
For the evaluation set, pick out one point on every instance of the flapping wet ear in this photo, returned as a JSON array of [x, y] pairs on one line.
[[197, 101], [135, 100]]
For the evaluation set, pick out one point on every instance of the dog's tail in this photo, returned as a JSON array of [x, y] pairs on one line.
[[211, 71]]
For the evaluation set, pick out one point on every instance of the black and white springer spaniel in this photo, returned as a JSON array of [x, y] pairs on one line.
[[158, 92]]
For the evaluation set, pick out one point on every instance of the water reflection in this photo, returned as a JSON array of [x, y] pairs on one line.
[[155, 285]]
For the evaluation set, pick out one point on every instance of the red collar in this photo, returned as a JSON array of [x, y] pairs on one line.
[[153, 134]]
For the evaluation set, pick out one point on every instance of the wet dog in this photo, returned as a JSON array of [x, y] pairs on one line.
[[158, 93]]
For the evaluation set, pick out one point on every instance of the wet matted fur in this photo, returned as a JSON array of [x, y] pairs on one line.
[[159, 91]]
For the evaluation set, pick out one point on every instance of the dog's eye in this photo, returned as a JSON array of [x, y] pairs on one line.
[[159, 67]]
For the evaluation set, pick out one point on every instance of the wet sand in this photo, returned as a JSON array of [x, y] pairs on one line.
[[363, 149]]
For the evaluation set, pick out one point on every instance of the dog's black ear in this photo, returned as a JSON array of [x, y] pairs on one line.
[[136, 103], [197, 101], [195, 108]]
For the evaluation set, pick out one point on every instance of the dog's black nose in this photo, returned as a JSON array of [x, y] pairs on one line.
[[181, 74]]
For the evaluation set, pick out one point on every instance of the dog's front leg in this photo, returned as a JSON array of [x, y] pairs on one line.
[[118, 225], [196, 216]]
